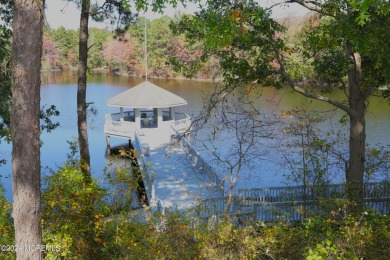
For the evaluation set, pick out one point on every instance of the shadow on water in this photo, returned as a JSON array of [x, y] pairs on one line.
[[127, 152]]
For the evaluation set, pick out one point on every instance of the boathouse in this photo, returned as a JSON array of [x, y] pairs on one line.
[[146, 109]]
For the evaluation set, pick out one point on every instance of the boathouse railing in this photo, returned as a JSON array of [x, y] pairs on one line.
[[124, 125]]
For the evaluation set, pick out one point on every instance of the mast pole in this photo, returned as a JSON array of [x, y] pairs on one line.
[[145, 51]]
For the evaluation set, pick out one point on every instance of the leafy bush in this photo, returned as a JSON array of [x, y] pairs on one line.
[[349, 237], [73, 214], [76, 212], [6, 227]]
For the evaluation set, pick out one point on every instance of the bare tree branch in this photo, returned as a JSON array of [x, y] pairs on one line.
[[312, 5]]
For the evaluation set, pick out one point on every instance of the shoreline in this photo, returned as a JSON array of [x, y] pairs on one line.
[[101, 70]]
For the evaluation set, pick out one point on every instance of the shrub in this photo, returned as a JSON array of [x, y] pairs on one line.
[[73, 213], [76, 212], [7, 236]]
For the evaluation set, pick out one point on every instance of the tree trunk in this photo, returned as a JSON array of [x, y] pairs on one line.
[[82, 90], [355, 171], [229, 198], [82, 121], [357, 134], [26, 81]]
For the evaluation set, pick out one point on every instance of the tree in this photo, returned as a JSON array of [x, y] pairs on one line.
[[5, 78], [123, 53], [97, 39], [105, 11], [157, 45], [26, 81], [158, 38], [344, 50], [66, 40], [50, 53], [82, 90]]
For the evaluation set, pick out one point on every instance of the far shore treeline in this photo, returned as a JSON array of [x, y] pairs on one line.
[[169, 55]]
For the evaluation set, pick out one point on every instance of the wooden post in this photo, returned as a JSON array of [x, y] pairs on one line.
[[108, 141]]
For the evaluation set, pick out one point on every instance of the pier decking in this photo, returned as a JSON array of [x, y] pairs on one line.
[[171, 180]]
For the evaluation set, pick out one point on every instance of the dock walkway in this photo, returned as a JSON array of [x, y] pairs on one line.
[[178, 177], [171, 180]]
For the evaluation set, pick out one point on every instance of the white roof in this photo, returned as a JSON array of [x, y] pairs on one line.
[[146, 95]]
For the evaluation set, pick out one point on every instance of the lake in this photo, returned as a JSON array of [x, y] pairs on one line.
[[59, 89]]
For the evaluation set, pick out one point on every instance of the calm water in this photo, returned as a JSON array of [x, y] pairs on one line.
[[59, 89]]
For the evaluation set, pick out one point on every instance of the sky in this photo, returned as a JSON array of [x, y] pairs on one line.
[[62, 13]]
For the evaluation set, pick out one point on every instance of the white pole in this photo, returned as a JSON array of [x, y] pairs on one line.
[[146, 52]]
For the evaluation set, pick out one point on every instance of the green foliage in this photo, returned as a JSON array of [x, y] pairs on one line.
[[251, 47], [355, 23], [378, 162], [123, 53], [157, 45], [226, 241], [67, 41], [118, 12], [6, 227], [332, 236], [96, 41], [345, 237], [242, 35], [46, 117], [70, 203], [5, 79], [299, 68], [67, 201], [168, 55], [5, 70]]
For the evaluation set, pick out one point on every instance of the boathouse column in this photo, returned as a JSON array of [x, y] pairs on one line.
[[137, 118], [155, 116], [171, 114], [121, 112], [159, 116]]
